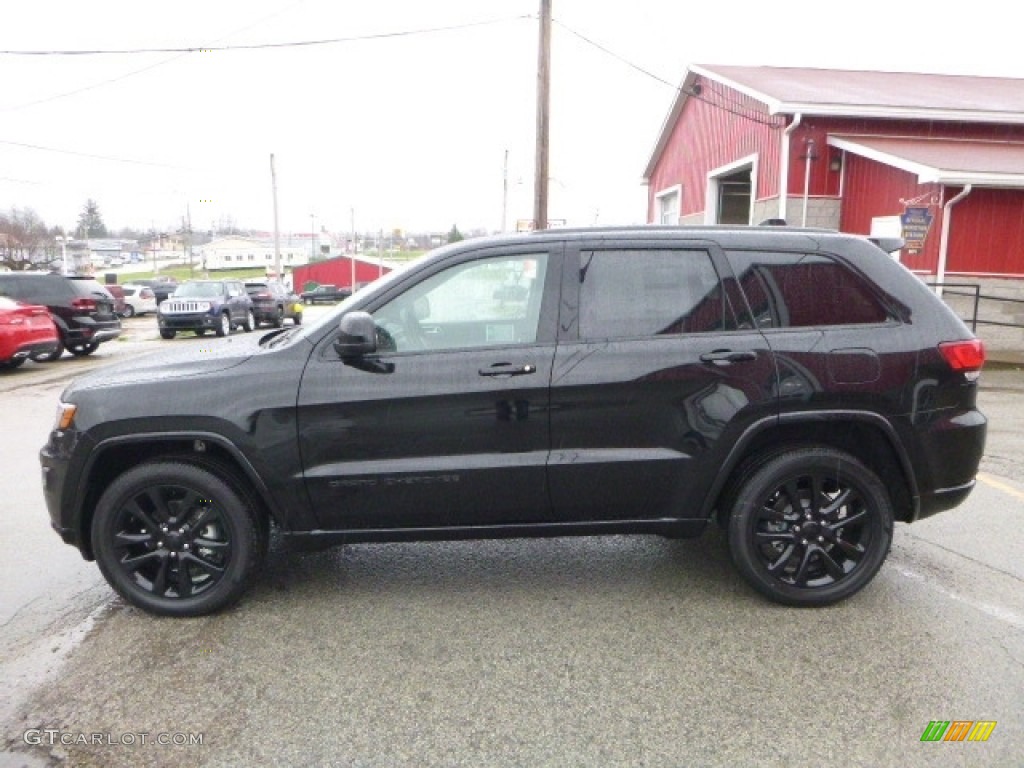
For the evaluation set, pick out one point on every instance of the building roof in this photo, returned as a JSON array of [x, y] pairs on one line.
[[945, 161], [858, 94], [851, 93]]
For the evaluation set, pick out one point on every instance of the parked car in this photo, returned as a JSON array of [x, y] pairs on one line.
[[162, 287], [82, 309], [117, 292], [206, 305], [325, 294], [138, 300], [799, 388], [25, 329], [273, 302]]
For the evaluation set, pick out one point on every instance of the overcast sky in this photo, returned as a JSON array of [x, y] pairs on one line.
[[408, 131]]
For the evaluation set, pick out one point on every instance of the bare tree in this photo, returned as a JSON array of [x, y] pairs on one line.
[[25, 241]]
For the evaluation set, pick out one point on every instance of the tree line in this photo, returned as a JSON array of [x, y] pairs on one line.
[[27, 242]]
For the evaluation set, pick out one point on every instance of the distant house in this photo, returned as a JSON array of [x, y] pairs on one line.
[[937, 159], [236, 252]]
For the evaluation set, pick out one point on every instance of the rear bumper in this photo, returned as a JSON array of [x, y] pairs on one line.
[[951, 447]]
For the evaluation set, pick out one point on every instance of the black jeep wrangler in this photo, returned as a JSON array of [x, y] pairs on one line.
[[798, 387]]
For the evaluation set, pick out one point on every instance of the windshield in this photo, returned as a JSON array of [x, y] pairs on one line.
[[199, 290]]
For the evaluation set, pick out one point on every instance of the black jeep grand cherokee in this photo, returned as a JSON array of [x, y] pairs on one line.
[[798, 387]]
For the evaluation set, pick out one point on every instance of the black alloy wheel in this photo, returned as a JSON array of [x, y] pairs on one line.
[[810, 527], [176, 539]]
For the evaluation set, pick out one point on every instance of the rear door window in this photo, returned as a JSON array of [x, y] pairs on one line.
[[636, 293]]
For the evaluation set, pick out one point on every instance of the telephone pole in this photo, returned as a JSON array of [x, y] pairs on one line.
[[277, 232], [540, 195]]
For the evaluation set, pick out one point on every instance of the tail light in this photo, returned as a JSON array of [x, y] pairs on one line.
[[87, 305], [964, 356]]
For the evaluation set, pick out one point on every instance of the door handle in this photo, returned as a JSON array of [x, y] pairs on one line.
[[508, 369], [727, 356]]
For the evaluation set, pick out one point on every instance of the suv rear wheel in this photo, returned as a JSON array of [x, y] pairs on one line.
[[176, 539], [86, 348], [810, 527]]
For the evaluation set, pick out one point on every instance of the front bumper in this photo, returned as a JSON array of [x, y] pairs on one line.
[[189, 322], [55, 459]]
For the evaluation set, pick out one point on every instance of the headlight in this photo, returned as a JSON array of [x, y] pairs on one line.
[[65, 416]]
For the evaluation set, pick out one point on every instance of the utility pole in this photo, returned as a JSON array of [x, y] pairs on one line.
[[540, 195], [277, 232], [504, 196]]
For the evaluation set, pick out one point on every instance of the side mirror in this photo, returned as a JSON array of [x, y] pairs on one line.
[[357, 335]]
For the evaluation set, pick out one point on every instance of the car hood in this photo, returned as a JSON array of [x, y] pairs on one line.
[[188, 362]]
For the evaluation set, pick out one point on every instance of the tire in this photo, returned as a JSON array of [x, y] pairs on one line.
[[167, 334], [250, 321], [297, 318], [176, 539], [806, 547], [278, 318], [10, 365], [200, 331], [224, 325], [81, 350], [129, 311], [48, 357]]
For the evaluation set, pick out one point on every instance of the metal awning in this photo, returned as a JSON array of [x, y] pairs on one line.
[[952, 162]]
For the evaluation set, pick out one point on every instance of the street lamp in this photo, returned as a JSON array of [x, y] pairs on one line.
[[63, 240]]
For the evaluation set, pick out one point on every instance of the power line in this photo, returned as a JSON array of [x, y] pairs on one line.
[[126, 75], [94, 157], [688, 91], [264, 46]]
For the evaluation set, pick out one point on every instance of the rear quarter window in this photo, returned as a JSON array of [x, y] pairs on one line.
[[794, 290]]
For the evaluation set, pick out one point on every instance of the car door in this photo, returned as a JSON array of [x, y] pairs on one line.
[[653, 378], [447, 423]]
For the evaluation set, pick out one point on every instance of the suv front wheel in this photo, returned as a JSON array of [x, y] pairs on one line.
[[175, 539], [810, 527], [224, 324]]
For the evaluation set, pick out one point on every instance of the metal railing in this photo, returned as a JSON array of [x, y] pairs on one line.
[[975, 293]]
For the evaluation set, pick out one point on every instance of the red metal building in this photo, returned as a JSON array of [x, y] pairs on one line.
[[338, 271], [937, 159]]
